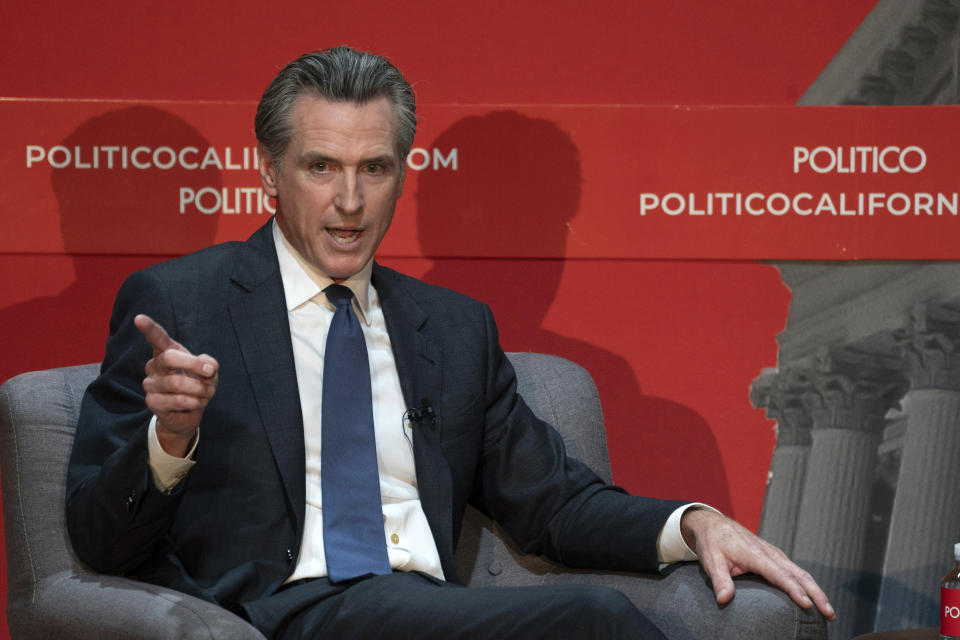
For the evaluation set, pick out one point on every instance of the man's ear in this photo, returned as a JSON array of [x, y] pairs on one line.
[[268, 171]]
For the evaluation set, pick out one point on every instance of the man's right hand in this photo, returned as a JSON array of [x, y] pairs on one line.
[[178, 385]]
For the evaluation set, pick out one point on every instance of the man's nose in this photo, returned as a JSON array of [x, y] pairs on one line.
[[349, 198]]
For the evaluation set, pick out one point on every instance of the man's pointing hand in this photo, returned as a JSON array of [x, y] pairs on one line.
[[178, 385]]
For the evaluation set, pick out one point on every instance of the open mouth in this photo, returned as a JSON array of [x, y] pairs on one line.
[[344, 236]]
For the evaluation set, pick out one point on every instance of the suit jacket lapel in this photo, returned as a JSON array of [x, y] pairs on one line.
[[418, 356], [259, 315]]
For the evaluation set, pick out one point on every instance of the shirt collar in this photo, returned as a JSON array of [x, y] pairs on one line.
[[302, 282]]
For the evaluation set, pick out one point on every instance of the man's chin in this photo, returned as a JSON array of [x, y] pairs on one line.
[[341, 272], [340, 265]]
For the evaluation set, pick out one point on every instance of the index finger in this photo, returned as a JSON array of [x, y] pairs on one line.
[[155, 334]]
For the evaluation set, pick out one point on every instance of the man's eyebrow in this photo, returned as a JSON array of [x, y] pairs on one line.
[[385, 159], [309, 157]]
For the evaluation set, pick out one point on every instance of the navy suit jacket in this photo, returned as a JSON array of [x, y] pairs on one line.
[[230, 532]]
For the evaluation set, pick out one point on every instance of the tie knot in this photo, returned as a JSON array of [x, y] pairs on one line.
[[338, 294]]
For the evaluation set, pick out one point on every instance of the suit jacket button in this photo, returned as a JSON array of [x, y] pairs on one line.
[[495, 568], [289, 555], [131, 500]]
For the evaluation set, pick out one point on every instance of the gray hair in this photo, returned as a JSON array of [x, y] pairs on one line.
[[340, 74]]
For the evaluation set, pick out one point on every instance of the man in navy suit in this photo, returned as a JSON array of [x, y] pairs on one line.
[[202, 472]]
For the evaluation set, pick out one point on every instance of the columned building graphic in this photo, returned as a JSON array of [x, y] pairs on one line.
[[864, 481]]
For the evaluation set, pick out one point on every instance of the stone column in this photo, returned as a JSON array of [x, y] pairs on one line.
[[781, 395], [847, 403], [925, 522]]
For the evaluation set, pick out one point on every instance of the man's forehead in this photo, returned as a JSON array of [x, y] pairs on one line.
[[363, 127]]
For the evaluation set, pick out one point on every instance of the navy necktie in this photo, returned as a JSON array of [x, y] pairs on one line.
[[353, 537]]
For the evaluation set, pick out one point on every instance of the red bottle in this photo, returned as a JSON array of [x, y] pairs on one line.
[[950, 600]]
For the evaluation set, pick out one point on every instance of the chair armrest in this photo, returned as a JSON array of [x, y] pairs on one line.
[[680, 602], [112, 608], [683, 606]]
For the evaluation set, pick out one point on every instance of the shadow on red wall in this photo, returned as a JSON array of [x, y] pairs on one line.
[[108, 208], [518, 200]]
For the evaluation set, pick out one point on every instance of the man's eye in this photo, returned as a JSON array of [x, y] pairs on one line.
[[319, 166], [374, 168]]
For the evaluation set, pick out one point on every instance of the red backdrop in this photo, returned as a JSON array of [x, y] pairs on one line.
[[673, 344]]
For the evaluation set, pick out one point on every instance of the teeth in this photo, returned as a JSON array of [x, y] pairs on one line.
[[344, 237]]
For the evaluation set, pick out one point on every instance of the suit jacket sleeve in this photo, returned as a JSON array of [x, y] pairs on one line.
[[551, 503], [116, 516]]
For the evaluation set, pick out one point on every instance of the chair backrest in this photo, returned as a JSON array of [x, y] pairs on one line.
[[562, 394], [38, 414]]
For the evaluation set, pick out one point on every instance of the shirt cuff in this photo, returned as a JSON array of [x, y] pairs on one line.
[[670, 544], [167, 470]]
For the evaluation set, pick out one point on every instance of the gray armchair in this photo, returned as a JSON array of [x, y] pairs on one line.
[[51, 594]]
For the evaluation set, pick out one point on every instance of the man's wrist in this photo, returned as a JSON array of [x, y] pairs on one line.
[[690, 521], [672, 545], [167, 470], [174, 443]]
